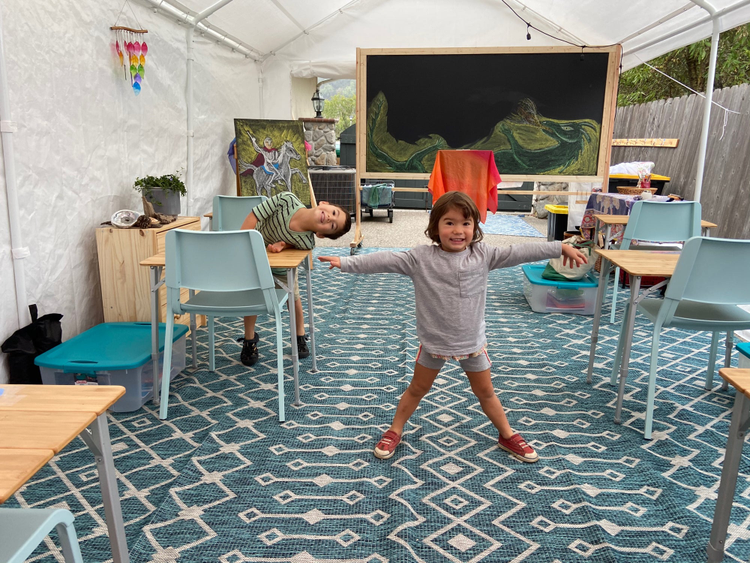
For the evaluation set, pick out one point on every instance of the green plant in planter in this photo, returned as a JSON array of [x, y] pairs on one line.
[[170, 183]]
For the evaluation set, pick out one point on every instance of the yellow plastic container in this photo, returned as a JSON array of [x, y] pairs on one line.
[[557, 221]]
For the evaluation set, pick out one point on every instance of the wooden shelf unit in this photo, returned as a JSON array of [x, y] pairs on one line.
[[126, 294]]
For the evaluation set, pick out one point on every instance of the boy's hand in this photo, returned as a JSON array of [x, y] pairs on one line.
[[277, 246], [334, 261], [572, 256]]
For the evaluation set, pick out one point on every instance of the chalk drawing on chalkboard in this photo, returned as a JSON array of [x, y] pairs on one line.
[[524, 142]]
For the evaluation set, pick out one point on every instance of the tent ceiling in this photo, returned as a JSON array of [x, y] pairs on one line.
[[322, 35]]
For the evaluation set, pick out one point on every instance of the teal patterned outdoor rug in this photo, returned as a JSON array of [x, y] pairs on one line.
[[511, 225], [222, 481]]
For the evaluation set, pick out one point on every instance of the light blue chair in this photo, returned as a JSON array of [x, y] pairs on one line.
[[232, 277], [23, 529], [230, 211], [711, 279], [658, 221]]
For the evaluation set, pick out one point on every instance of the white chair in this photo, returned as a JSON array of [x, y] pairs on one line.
[[231, 273], [711, 279], [660, 222], [23, 529], [229, 212]]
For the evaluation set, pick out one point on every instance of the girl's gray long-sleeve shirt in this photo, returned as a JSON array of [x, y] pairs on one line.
[[450, 288]]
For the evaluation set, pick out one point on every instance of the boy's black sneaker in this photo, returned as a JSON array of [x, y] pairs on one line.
[[249, 354], [302, 350]]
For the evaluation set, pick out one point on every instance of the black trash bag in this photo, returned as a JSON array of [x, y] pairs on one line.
[[28, 342]]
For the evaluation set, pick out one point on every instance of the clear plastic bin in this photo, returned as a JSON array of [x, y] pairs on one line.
[[548, 296], [113, 354]]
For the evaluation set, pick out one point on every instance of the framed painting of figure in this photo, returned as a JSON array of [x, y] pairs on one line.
[[271, 158]]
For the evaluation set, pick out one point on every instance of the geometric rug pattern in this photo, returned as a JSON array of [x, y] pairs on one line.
[[222, 480], [511, 225]]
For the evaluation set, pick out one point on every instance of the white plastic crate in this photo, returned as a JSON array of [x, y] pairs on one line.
[[547, 296]]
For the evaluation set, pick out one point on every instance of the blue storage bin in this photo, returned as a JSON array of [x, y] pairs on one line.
[[549, 296], [744, 349], [113, 354]]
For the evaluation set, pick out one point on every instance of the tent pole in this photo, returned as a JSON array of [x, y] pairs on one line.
[[703, 143], [19, 252], [683, 29], [189, 110], [192, 22]]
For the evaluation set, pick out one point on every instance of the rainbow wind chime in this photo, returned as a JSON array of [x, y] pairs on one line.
[[131, 49]]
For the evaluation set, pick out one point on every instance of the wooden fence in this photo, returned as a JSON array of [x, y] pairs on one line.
[[725, 195]]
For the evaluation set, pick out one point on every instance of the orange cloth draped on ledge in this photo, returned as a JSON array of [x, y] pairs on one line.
[[471, 172]]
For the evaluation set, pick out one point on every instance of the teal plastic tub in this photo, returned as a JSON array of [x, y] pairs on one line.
[[113, 354], [548, 296], [744, 349]]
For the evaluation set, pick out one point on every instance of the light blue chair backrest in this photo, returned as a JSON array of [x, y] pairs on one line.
[[712, 270], [217, 262], [230, 211], [660, 221]]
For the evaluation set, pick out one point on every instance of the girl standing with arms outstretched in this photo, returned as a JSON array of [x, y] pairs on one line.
[[450, 289]]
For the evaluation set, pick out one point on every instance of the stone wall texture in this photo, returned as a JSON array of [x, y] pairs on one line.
[[321, 134]]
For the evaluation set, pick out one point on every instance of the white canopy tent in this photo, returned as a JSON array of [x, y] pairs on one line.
[[75, 136]]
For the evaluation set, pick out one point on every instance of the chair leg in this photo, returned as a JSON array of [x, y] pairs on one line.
[[167, 365], [620, 345], [651, 393], [194, 338], [614, 295], [211, 345], [728, 357], [280, 364], [712, 360], [66, 531]]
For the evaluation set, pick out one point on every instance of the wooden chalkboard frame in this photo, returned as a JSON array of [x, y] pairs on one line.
[[601, 177], [607, 117]]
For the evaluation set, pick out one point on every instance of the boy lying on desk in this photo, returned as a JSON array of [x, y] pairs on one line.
[[285, 222]]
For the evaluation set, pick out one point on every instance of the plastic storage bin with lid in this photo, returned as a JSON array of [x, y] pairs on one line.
[[113, 354], [744, 349], [548, 296]]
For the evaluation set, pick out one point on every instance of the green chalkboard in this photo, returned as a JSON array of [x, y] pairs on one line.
[[543, 112]]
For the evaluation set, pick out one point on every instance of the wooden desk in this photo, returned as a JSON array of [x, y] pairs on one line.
[[740, 379], [38, 421], [18, 466], [637, 263], [609, 220], [124, 285], [289, 260]]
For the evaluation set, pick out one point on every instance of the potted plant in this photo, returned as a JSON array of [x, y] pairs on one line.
[[162, 192]]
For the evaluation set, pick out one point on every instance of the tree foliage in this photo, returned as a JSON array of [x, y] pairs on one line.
[[342, 108], [689, 65]]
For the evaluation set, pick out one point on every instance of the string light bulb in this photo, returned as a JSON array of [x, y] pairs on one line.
[[528, 32]]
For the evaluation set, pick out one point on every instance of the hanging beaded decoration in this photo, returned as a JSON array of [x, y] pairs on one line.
[[130, 49]]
